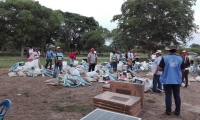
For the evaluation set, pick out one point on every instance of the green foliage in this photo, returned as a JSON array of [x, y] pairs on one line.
[[195, 45], [153, 24]]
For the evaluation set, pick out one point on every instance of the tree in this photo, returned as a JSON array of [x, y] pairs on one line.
[[73, 28], [153, 24], [92, 39], [195, 45]]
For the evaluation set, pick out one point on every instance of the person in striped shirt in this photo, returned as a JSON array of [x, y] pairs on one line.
[[58, 58]]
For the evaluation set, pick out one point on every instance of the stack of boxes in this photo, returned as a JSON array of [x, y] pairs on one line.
[[122, 97]]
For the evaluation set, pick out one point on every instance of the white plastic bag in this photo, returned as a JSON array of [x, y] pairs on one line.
[[12, 74], [197, 78], [75, 62], [64, 63], [92, 74]]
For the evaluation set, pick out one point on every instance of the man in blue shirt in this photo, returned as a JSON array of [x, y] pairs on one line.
[[172, 66], [49, 57], [58, 58]]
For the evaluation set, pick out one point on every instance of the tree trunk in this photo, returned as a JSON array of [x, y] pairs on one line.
[[22, 50]]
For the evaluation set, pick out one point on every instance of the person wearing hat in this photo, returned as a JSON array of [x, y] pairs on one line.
[[156, 73], [172, 67], [92, 59], [58, 58], [187, 65], [72, 57], [49, 57]]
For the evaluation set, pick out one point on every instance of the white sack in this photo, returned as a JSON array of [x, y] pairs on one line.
[[92, 74], [12, 74], [64, 65]]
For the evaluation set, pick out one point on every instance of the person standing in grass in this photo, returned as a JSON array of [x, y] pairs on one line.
[[49, 57], [172, 67], [92, 59], [58, 58]]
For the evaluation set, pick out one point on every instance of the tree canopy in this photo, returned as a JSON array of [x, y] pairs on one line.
[[155, 23]]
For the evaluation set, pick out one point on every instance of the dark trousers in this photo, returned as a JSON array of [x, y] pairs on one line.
[[156, 81], [175, 89], [185, 76], [92, 66], [47, 62], [114, 66], [137, 59]]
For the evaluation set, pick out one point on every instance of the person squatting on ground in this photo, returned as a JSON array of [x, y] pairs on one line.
[[49, 57], [114, 61], [172, 67], [72, 57], [92, 59], [58, 58], [187, 65], [156, 73]]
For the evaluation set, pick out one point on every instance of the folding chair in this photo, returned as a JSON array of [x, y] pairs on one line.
[[5, 106]]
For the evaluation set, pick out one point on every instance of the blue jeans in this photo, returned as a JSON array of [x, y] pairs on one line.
[[71, 62], [195, 65], [156, 81], [56, 69], [175, 89]]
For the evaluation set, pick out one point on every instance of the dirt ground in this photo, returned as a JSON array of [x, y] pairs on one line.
[[32, 100]]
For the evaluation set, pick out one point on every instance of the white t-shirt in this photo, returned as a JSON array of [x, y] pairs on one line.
[[155, 65], [92, 57], [36, 55], [153, 57], [111, 56], [31, 53]]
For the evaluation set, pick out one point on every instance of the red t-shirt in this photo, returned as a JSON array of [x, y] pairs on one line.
[[72, 55]]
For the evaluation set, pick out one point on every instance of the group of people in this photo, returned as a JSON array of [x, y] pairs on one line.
[[129, 57], [170, 71], [57, 57]]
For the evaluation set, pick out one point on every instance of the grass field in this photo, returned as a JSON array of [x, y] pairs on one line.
[[7, 59]]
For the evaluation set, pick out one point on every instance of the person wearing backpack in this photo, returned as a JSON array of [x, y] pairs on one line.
[[58, 58], [92, 59]]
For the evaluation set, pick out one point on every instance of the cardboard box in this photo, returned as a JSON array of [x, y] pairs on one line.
[[127, 88], [116, 99]]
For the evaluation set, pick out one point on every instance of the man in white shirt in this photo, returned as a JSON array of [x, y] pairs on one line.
[[31, 53], [153, 57], [156, 73], [129, 59]]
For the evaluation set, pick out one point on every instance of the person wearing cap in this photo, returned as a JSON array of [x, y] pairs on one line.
[[72, 57], [156, 73], [49, 57], [58, 58], [172, 67], [92, 59], [187, 65]]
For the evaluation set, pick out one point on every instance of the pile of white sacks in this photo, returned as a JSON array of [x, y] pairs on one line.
[[79, 75]]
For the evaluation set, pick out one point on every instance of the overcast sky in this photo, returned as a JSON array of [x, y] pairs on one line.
[[103, 10]]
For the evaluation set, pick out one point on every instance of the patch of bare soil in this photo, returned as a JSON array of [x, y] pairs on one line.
[[32, 100]]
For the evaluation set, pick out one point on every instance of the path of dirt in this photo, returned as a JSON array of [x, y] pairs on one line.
[[32, 100]]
